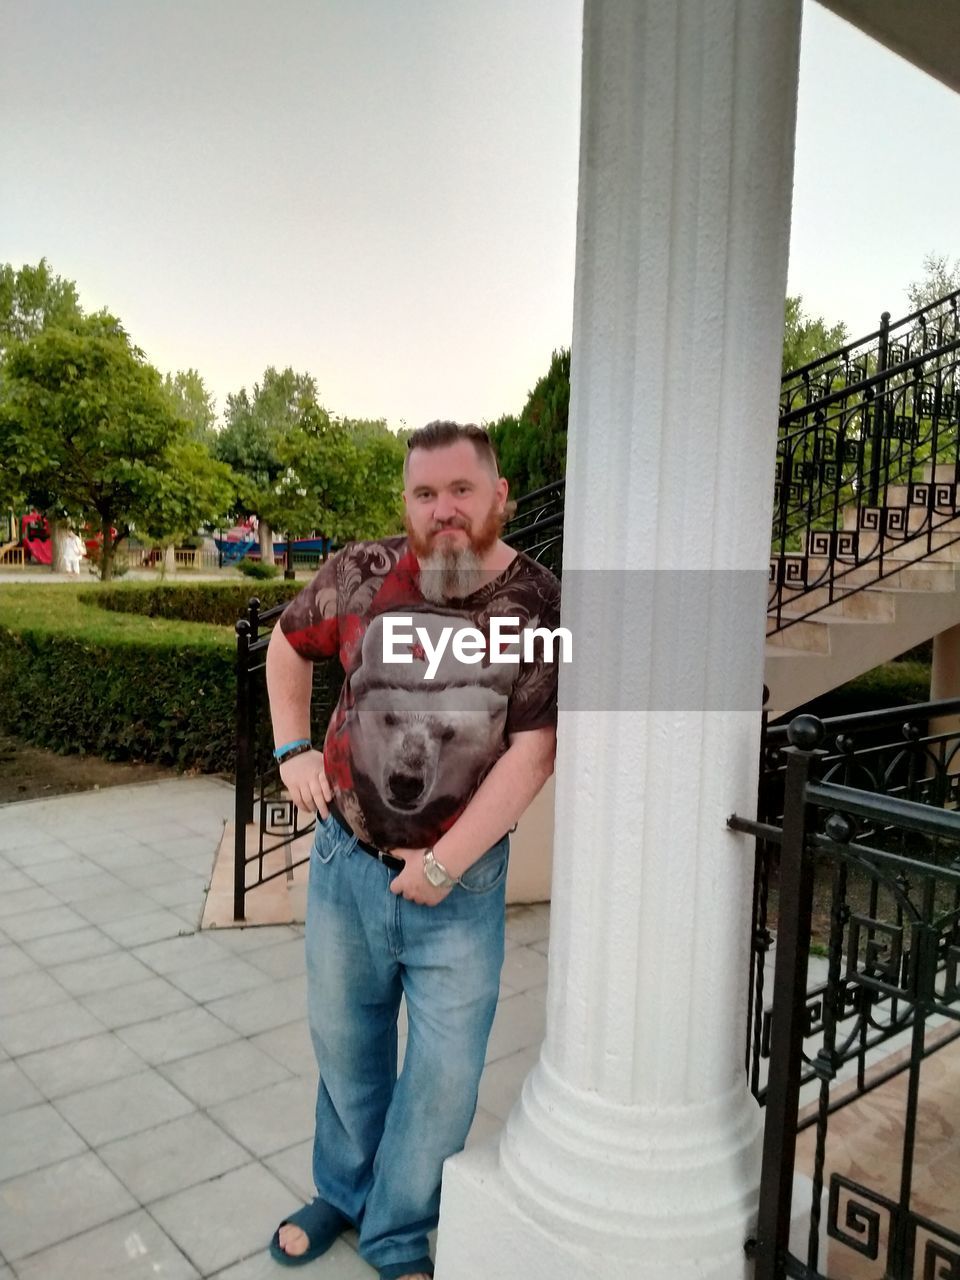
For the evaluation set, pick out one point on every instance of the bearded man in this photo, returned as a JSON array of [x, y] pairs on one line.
[[416, 788]]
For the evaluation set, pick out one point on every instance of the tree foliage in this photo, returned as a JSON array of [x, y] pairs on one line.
[[532, 449], [190, 399], [91, 435], [940, 277], [32, 299], [807, 338]]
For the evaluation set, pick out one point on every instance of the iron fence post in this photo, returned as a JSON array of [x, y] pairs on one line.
[[789, 1002], [243, 787], [879, 412]]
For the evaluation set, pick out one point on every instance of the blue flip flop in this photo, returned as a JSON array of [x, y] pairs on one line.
[[320, 1223]]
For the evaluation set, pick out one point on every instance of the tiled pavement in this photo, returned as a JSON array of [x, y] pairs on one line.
[[156, 1083]]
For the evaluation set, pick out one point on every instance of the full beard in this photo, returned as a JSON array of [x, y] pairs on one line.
[[454, 572]]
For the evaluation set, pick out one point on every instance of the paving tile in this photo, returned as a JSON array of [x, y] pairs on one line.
[[485, 1128], [290, 1045], [41, 924], [341, 1262], [31, 852], [258, 1010], [29, 991], [78, 944], [102, 973], [152, 926], [137, 1002], [34, 1137], [13, 880], [227, 1072], [502, 1080], [150, 875], [72, 867], [294, 1166], [178, 893], [14, 961], [16, 1091], [180, 953], [116, 906], [222, 1221], [80, 1065], [270, 1119], [88, 887], [523, 968], [82, 1191], [520, 1023], [173, 1156], [123, 849], [528, 924], [130, 1248], [176, 1035], [206, 982], [44, 1028], [20, 900], [246, 938], [122, 1107], [287, 960]]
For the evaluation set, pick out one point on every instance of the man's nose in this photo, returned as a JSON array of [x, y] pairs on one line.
[[444, 508]]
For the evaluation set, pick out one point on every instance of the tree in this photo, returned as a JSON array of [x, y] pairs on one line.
[[192, 401], [32, 299], [91, 434], [252, 442], [807, 338], [941, 276], [532, 449]]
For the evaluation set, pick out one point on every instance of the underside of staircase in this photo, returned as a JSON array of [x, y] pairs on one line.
[[859, 619]]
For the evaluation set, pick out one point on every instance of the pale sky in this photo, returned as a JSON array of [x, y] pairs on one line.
[[384, 194]]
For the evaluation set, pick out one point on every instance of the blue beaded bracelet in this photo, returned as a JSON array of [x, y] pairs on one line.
[[291, 748]]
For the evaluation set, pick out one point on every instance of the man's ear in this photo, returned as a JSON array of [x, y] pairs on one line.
[[503, 488]]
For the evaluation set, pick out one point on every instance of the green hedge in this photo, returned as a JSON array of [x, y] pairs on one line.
[[218, 603], [120, 686]]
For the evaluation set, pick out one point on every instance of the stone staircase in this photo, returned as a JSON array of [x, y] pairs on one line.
[[905, 593]]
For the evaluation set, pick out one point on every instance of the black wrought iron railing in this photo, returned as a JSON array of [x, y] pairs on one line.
[[536, 526], [267, 824], [889, 870], [867, 463], [903, 753]]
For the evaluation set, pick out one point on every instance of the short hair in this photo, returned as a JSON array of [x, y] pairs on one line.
[[436, 435]]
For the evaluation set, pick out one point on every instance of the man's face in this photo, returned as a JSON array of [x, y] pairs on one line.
[[454, 503]]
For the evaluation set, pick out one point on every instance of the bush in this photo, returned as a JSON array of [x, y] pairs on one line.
[[218, 603], [121, 686], [257, 569]]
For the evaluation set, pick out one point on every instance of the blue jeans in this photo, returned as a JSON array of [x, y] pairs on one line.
[[381, 1140]]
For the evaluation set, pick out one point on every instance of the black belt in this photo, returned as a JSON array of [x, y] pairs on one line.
[[388, 860]]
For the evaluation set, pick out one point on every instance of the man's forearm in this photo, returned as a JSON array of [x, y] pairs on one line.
[[289, 687], [500, 800]]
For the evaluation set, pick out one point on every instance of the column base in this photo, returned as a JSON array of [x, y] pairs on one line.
[[578, 1188], [485, 1235]]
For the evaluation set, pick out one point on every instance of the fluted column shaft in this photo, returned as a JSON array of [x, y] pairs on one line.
[[636, 1140]]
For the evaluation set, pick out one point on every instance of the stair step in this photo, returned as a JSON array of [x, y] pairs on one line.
[[804, 637], [917, 577], [945, 495], [945, 472], [867, 604]]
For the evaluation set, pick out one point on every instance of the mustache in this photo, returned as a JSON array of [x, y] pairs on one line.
[[456, 523]]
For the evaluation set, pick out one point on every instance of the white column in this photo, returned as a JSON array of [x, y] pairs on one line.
[[634, 1149], [945, 683]]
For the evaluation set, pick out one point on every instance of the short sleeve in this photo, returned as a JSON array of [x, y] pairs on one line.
[[533, 702], [311, 622]]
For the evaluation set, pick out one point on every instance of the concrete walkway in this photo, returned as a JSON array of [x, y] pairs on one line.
[[157, 1083]]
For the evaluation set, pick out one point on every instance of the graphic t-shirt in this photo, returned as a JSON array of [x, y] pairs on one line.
[[403, 753]]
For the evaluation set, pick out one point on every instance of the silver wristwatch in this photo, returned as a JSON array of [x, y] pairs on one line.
[[436, 873]]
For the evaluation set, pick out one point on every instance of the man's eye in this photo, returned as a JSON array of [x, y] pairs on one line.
[[448, 734], [389, 720]]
